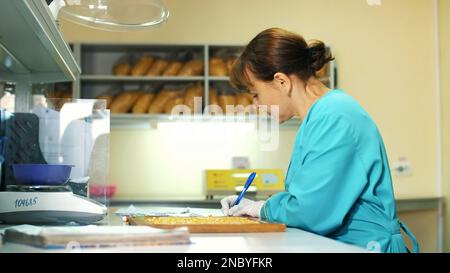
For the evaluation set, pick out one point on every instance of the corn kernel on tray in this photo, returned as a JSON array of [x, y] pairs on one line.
[[209, 224]]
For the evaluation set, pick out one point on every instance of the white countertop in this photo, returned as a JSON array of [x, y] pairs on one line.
[[291, 241]]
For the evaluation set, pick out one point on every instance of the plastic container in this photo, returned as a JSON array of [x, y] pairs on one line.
[[100, 190], [41, 174]]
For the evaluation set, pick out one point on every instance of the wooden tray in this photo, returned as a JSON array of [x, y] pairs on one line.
[[251, 225]]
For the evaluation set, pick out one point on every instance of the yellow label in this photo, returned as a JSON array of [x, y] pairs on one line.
[[228, 180]]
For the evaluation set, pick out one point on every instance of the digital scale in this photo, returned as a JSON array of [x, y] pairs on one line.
[[22, 203], [45, 205]]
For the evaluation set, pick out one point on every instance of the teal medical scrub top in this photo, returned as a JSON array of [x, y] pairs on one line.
[[339, 183]]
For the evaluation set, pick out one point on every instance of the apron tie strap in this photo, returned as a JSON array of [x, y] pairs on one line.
[[411, 237]]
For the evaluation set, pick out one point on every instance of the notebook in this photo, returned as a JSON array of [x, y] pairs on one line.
[[94, 236]]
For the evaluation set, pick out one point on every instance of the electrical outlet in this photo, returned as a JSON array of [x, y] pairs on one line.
[[402, 167], [240, 162]]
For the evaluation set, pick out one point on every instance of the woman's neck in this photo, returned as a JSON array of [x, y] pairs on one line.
[[308, 95]]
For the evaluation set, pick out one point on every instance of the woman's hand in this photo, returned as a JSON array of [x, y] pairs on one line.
[[245, 208]]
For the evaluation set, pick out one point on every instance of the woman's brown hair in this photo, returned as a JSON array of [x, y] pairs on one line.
[[277, 50]]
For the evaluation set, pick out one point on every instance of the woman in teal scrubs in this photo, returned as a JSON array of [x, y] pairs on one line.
[[338, 183]]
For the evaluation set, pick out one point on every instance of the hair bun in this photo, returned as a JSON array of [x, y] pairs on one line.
[[277, 50], [319, 55]]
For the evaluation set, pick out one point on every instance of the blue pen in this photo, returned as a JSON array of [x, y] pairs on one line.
[[247, 184]]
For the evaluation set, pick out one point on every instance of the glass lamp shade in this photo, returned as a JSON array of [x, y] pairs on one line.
[[115, 15]]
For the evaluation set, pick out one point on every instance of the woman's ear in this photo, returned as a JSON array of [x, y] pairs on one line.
[[283, 82]]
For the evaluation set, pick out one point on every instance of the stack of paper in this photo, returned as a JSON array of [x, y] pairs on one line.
[[94, 236], [174, 212]]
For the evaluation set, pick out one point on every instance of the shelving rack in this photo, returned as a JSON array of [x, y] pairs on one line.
[[97, 61]]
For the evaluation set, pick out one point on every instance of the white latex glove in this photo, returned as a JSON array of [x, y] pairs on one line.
[[245, 208]]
